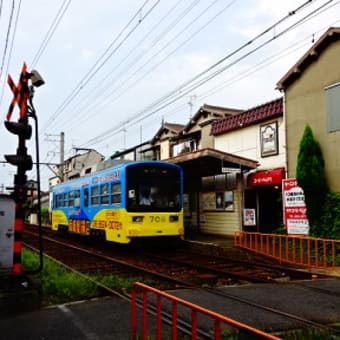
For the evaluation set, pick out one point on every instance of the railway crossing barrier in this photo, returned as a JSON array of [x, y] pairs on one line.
[[308, 252], [166, 308]]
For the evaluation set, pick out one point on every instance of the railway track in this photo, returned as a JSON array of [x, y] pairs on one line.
[[88, 262], [119, 261], [301, 321], [181, 267]]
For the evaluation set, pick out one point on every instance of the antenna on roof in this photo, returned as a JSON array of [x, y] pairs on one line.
[[191, 103]]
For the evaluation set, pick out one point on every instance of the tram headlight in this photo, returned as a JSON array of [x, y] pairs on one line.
[[173, 218], [137, 219]]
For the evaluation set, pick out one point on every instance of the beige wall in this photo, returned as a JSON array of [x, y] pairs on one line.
[[207, 140], [223, 222], [165, 149], [305, 103]]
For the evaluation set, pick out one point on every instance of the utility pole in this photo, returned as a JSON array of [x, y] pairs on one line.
[[62, 150], [61, 146]]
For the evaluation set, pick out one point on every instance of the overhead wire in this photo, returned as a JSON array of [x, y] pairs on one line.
[[102, 102], [101, 61], [7, 38], [1, 3], [141, 114], [267, 61], [11, 48], [196, 81], [142, 77], [49, 34], [102, 87]]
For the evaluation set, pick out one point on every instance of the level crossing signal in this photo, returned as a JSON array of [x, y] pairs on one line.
[[23, 130]]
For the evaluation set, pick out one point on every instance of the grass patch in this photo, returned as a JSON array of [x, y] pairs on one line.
[[60, 285]]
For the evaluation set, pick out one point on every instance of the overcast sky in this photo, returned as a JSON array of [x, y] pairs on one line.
[[114, 70]]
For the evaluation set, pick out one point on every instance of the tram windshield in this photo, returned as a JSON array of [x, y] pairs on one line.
[[153, 188]]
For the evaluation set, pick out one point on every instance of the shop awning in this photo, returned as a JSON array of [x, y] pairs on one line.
[[266, 177]]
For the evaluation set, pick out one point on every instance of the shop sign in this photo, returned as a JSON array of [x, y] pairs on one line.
[[265, 177], [294, 208], [225, 170]]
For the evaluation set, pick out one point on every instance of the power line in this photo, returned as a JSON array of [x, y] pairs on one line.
[[135, 82], [102, 87], [61, 12], [11, 48], [196, 82], [208, 21], [103, 59], [7, 37]]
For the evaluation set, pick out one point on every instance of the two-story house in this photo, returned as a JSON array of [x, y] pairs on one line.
[[257, 133], [312, 96], [76, 166]]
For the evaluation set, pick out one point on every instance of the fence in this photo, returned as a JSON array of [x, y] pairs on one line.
[[297, 250], [194, 310]]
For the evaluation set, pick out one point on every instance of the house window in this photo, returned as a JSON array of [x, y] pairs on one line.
[[332, 93], [184, 147]]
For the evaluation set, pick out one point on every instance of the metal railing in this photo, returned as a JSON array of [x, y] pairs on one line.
[[302, 251], [174, 305]]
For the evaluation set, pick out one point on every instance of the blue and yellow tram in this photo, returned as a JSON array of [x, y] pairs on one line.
[[130, 200]]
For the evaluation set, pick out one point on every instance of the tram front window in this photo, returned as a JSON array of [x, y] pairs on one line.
[[153, 193]]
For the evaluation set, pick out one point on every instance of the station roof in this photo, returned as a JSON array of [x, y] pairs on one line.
[[208, 162]]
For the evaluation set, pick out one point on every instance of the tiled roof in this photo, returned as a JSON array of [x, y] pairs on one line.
[[330, 36], [248, 117], [173, 127], [215, 111]]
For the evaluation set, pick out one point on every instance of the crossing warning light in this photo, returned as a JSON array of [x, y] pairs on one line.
[[21, 159]]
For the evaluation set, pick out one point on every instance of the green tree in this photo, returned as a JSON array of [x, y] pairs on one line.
[[310, 174]]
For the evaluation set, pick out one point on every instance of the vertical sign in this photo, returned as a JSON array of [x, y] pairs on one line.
[[294, 208]]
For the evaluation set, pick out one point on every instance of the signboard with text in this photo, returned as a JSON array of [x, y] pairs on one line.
[[294, 208]]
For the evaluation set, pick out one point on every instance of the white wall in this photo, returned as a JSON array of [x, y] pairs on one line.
[[245, 142]]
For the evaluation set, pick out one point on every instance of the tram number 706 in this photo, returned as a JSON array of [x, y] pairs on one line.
[[155, 219]]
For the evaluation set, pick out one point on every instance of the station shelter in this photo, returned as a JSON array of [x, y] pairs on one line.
[[214, 190]]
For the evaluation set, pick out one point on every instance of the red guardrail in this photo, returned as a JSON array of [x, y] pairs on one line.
[[303, 251], [195, 310]]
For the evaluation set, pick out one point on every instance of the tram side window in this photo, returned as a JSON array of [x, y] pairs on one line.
[[71, 199], [94, 195], [86, 197], [104, 194], [77, 198], [65, 199], [56, 201], [60, 200], [115, 193]]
